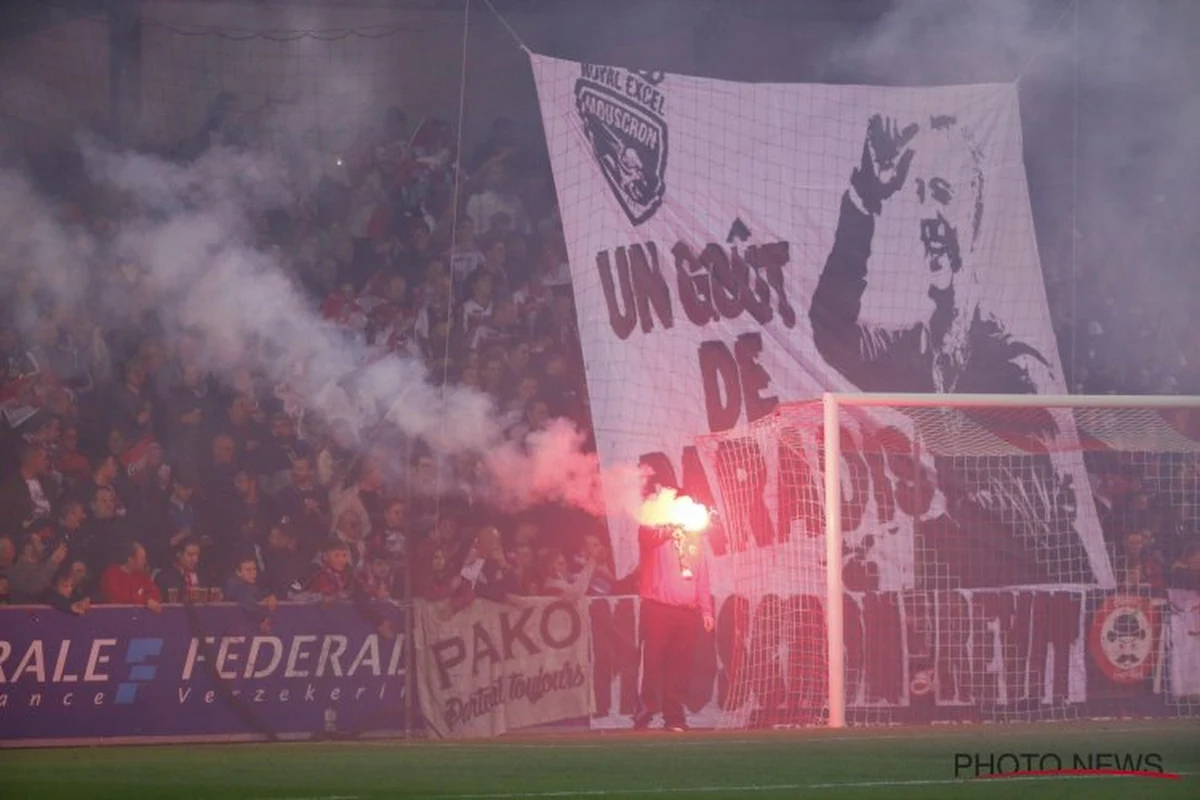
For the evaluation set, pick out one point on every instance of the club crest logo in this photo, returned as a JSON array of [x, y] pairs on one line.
[[1123, 638], [622, 115]]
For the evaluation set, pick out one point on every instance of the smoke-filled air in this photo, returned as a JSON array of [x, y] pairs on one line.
[[188, 252]]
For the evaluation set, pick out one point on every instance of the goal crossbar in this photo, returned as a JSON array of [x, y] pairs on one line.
[[900, 400]]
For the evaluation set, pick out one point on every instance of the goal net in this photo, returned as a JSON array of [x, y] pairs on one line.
[[1019, 558]]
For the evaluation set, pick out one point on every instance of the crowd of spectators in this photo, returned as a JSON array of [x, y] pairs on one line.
[[130, 473], [1127, 329], [1150, 515]]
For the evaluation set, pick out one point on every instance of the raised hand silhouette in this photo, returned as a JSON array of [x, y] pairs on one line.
[[885, 161]]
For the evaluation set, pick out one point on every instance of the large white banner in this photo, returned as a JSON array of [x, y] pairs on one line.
[[735, 247]]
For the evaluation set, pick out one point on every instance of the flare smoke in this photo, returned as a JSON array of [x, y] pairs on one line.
[[187, 230]]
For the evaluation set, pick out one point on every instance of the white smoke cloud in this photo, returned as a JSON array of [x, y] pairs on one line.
[[186, 230], [35, 249], [935, 42], [555, 468]]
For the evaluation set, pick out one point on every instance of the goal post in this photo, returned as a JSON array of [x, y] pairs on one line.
[[977, 549], [834, 610]]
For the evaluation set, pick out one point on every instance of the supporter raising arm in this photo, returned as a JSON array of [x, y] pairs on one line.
[[486, 570], [33, 570]]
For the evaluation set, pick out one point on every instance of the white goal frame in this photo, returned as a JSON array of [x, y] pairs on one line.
[[832, 403]]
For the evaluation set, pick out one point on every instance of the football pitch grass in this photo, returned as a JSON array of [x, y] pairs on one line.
[[867, 763]]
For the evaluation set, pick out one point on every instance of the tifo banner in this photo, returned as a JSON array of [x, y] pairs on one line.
[[736, 247], [1185, 643], [201, 672], [494, 667], [910, 657]]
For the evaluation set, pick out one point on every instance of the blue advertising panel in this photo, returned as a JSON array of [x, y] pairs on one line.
[[200, 671]]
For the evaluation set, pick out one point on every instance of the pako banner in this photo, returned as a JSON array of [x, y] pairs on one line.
[[493, 667]]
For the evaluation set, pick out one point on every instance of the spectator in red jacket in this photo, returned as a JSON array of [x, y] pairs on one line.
[[128, 581], [70, 462], [1140, 565], [438, 579], [335, 580], [8, 552]]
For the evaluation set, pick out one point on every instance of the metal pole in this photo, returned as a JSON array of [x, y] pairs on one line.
[[1075, 208], [408, 594], [834, 609]]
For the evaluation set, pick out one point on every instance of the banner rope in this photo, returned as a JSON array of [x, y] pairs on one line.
[[1069, 7], [516, 38], [455, 204]]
